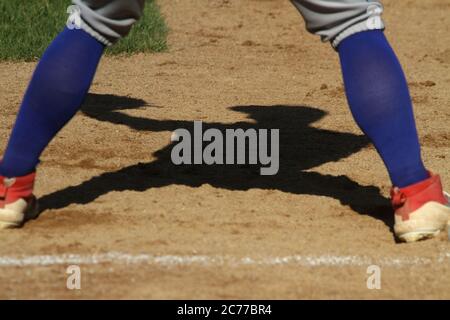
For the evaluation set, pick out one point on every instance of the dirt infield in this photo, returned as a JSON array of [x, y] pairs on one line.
[[140, 227]]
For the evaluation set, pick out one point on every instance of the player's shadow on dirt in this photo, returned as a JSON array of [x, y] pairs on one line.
[[302, 147]]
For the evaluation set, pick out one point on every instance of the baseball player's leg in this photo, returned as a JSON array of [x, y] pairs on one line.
[[56, 91], [109, 20], [335, 20], [379, 99]]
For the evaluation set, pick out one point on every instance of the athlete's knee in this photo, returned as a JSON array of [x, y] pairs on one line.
[[335, 20], [109, 20]]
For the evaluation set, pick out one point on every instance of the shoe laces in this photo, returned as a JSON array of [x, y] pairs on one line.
[[398, 198], [3, 192]]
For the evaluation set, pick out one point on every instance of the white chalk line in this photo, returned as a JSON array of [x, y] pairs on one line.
[[208, 260]]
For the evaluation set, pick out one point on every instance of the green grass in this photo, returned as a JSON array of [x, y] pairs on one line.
[[28, 26]]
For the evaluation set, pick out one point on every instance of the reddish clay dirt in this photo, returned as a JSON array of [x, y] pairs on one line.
[[106, 182]]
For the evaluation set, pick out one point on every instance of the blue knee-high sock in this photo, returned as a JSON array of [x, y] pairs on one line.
[[56, 91], [378, 96]]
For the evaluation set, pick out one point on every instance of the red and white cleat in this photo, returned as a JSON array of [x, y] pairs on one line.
[[422, 210], [17, 202]]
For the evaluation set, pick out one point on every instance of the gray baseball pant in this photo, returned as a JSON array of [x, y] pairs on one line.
[[332, 20]]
